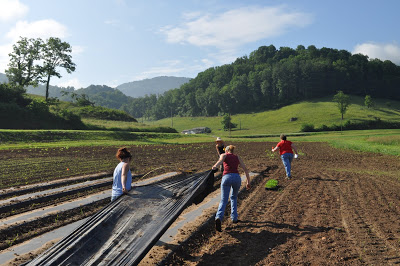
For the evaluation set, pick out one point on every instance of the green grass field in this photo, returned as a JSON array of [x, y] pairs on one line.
[[317, 112], [263, 126]]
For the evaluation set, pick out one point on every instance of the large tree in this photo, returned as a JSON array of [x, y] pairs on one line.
[[22, 68], [56, 54]]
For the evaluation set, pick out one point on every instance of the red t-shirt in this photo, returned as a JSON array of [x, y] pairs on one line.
[[285, 146], [231, 163]]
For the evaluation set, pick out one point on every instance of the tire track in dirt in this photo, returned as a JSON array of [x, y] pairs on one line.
[[368, 239]]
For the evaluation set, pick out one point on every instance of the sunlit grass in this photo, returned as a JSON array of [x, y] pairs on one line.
[[363, 172], [107, 124], [317, 112]]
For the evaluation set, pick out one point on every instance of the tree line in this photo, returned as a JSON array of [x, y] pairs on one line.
[[270, 78]]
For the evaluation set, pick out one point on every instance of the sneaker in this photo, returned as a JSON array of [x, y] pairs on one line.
[[218, 225], [235, 221]]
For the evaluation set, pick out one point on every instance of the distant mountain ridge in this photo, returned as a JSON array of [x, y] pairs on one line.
[[135, 89], [157, 85]]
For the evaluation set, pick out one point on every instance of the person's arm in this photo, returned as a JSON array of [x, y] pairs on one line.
[[124, 177], [246, 171], [294, 148], [275, 149], [216, 147], [219, 162]]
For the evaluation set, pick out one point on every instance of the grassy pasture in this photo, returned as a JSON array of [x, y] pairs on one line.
[[263, 126], [317, 112]]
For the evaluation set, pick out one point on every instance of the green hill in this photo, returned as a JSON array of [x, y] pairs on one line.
[[318, 112], [271, 78]]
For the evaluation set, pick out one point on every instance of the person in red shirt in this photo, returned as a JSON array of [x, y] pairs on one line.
[[286, 148], [230, 181]]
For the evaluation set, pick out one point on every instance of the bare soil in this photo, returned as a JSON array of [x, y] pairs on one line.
[[340, 208]]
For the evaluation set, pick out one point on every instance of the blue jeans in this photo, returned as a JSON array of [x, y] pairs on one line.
[[229, 181], [287, 161]]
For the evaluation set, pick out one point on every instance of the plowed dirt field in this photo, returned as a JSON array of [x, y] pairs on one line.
[[340, 208]]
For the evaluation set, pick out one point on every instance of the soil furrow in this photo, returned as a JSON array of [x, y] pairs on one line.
[[371, 248]]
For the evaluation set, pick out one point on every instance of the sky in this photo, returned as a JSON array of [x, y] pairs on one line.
[[119, 41]]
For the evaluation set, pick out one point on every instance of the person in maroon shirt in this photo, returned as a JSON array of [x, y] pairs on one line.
[[286, 148], [230, 179]]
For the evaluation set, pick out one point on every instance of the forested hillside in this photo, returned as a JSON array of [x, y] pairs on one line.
[[269, 78], [266, 79]]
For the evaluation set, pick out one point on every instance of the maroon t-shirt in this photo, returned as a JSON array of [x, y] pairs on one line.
[[231, 164]]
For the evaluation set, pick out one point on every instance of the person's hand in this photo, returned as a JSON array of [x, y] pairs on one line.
[[124, 190], [248, 186]]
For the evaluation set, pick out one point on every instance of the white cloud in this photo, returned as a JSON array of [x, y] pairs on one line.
[[76, 49], [381, 51], [70, 83], [4, 51], [12, 9], [37, 29], [236, 27]]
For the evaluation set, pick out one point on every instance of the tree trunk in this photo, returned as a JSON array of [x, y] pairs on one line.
[[47, 87]]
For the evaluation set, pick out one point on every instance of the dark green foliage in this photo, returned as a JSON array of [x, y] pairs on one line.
[[227, 122], [19, 112], [369, 103], [348, 125], [270, 78], [55, 53], [24, 66], [13, 94], [104, 113], [307, 128], [23, 69], [343, 102]]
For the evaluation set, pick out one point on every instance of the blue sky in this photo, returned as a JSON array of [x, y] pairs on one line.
[[118, 41]]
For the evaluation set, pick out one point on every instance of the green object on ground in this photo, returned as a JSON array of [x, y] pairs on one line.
[[272, 183]]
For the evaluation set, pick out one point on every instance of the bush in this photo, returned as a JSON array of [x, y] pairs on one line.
[[323, 128], [38, 107], [307, 128], [13, 94], [104, 113]]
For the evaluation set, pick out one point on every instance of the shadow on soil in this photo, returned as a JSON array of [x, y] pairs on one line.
[[244, 247]]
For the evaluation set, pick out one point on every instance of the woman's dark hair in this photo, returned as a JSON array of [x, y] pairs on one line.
[[283, 137], [123, 153]]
